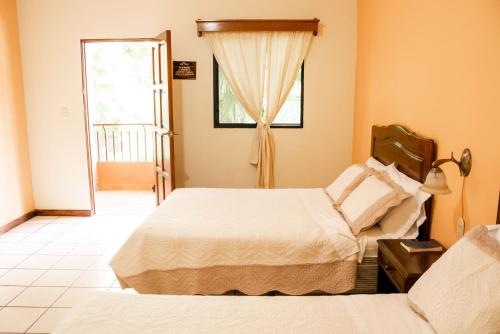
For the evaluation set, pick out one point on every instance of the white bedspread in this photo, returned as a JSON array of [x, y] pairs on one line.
[[148, 314], [199, 228]]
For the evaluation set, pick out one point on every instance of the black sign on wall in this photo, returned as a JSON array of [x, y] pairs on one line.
[[185, 70]]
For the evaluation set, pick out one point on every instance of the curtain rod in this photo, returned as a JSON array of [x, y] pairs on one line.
[[257, 25]]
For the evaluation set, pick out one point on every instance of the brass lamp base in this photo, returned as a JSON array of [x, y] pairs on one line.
[[465, 162]]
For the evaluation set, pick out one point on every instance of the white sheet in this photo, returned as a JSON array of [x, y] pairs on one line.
[[199, 228], [367, 240], [121, 313]]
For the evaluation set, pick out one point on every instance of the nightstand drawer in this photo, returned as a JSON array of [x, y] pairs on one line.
[[391, 272]]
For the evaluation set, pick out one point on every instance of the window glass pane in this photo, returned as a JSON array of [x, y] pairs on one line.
[[231, 112], [291, 109]]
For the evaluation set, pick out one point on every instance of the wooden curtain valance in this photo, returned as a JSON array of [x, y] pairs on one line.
[[257, 25]]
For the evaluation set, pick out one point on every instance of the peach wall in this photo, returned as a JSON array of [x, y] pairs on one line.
[[125, 175], [434, 66], [16, 196]]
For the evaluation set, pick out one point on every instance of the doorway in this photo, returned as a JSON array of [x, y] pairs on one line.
[[122, 90]]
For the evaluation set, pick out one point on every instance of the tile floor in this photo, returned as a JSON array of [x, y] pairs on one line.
[[50, 263], [125, 202]]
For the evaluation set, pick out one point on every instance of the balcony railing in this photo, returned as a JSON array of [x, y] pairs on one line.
[[126, 142]]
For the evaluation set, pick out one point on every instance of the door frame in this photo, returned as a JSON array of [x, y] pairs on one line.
[[86, 110]]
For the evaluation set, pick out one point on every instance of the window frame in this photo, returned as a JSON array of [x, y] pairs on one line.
[[217, 124]]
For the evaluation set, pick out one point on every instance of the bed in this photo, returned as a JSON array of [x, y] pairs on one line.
[[211, 241], [107, 312]]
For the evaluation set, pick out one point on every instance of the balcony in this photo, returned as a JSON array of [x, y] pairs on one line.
[[124, 157]]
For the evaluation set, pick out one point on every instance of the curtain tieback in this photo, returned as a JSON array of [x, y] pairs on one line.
[[263, 126], [254, 152]]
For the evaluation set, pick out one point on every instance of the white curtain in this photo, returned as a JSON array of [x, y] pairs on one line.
[[258, 62]]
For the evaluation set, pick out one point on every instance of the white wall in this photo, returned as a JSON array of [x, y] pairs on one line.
[[50, 40]]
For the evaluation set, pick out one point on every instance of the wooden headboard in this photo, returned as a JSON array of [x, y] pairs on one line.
[[411, 154]]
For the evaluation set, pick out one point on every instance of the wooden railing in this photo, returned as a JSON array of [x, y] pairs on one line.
[[125, 142]]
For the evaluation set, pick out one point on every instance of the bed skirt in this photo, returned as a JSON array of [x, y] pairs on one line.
[[333, 278]]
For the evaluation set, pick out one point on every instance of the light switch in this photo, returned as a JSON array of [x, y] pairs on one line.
[[65, 113]]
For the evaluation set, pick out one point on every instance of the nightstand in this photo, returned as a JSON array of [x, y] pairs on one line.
[[398, 270]]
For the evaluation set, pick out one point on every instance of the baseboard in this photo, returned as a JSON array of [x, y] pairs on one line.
[[17, 221], [74, 213]]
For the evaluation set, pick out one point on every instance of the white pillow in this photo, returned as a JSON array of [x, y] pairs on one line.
[[399, 221], [345, 183], [370, 201], [460, 293], [412, 232], [375, 164], [494, 231]]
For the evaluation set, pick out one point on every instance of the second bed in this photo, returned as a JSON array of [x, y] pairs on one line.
[[210, 241]]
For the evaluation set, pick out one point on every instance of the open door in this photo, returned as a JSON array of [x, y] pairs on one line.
[[163, 116]]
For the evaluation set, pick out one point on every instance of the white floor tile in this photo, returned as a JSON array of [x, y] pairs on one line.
[[55, 228], [71, 237], [13, 237], [10, 261], [39, 262], [37, 296], [18, 319], [20, 248], [102, 263], [72, 296], [89, 249], [40, 237], [56, 248], [8, 293], [26, 228], [48, 321], [75, 262], [68, 220], [95, 279], [58, 278], [82, 228], [20, 277], [99, 238], [120, 290], [3, 271]]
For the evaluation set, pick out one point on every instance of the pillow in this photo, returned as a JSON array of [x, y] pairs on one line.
[[399, 221], [460, 293], [370, 201], [345, 183], [494, 231], [375, 164]]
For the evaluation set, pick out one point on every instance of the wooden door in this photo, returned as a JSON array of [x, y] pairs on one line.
[[163, 129]]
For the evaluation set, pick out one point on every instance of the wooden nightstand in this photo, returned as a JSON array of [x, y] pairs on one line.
[[398, 270]]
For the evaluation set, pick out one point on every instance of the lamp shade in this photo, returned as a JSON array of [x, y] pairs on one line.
[[435, 182]]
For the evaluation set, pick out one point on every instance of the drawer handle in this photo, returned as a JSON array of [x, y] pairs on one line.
[[388, 268]]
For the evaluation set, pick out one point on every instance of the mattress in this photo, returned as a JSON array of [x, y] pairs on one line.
[[205, 241], [107, 312]]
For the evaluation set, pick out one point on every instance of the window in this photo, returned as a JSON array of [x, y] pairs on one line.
[[228, 113]]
